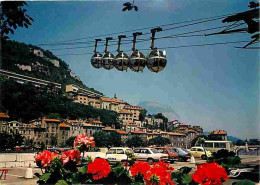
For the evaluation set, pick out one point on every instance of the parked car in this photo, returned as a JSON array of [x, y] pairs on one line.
[[117, 154], [150, 155], [198, 151], [184, 155], [172, 154]]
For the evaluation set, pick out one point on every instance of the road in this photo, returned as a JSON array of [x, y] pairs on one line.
[[16, 175]]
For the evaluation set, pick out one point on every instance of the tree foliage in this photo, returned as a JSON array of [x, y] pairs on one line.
[[135, 141], [159, 141], [70, 141], [13, 15], [14, 53], [142, 114], [9, 141], [22, 102], [107, 139]]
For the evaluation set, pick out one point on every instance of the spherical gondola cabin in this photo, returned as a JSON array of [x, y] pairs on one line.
[[121, 61], [156, 60], [96, 60], [137, 61], [108, 61], [108, 58]]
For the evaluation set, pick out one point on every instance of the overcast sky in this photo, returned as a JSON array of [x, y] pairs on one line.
[[216, 87]]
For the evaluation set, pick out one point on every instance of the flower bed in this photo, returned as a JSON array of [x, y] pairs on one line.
[[70, 168]]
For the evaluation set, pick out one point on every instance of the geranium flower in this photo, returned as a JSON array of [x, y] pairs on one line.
[[45, 157], [210, 173], [82, 139], [139, 167], [164, 165], [158, 174], [99, 168], [73, 155]]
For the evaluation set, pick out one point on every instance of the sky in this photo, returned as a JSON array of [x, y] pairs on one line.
[[216, 87]]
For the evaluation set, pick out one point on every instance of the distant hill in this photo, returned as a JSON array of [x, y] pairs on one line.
[[233, 139], [156, 107], [15, 53]]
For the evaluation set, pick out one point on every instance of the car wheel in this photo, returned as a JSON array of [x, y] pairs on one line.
[[203, 157], [150, 161]]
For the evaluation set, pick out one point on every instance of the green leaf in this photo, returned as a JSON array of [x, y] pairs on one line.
[[45, 176], [61, 182], [83, 169], [186, 178]]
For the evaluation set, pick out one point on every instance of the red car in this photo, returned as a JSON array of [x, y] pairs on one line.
[[172, 154]]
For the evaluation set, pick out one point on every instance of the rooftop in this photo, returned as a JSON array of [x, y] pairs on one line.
[[123, 111], [3, 115], [52, 120], [219, 132], [64, 125]]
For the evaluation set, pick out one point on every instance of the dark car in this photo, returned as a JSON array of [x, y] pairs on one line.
[[184, 154], [172, 154]]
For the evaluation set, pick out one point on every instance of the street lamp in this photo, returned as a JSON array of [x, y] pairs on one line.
[[108, 58], [96, 59], [156, 60], [121, 60], [137, 58]]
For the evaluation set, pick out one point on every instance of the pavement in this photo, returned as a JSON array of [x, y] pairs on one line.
[[15, 175]]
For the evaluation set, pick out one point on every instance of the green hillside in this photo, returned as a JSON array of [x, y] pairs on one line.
[[14, 53]]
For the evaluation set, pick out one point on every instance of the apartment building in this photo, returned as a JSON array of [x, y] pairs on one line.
[[3, 121], [177, 139], [126, 116], [135, 110]]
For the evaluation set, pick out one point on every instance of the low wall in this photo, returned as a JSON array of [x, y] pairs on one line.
[[9, 160]]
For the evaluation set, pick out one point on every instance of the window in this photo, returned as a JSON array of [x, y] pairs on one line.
[[193, 149], [137, 151], [208, 145], [120, 151], [199, 150], [111, 151], [220, 145]]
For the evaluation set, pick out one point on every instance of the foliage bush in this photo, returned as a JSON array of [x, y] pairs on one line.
[[225, 158]]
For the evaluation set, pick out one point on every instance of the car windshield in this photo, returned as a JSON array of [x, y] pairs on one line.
[[185, 150], [154, 151], [171, 150]]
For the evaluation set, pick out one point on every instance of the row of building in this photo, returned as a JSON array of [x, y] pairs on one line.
[[42, 130]]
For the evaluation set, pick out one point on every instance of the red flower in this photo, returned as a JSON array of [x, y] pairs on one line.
[[210, 173], [165, 166], [158, 174], [139, 167], [82, 139], [99, 168], [45, 157], [73, 155]]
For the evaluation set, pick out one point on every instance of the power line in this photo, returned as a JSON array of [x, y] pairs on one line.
[[163, 25], [172, 47]]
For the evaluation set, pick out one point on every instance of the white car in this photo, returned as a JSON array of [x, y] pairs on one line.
[[150, 155], [117, 154]]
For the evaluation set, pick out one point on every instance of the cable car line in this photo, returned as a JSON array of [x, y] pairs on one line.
[[171, 47], [148, 39]]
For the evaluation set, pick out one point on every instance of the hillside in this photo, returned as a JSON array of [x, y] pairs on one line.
[[15, 54]]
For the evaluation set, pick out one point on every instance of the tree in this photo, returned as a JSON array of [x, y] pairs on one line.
[[70, 141], [54, 141], [201, 141], [135, 141], [240, 142], [142, 115], [129, 6], [159, 141], [42, 146], [29, 143], [194, 141], [9, 141], [107, 139], [13, 15]]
